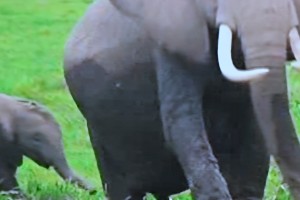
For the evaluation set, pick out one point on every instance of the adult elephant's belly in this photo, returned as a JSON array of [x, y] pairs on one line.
[[122, 112]]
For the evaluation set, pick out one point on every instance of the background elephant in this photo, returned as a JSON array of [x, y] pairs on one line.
[[28, 128], [149, 116]]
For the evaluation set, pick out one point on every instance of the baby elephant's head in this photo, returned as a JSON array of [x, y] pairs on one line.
[[39, 137], [37, 133]]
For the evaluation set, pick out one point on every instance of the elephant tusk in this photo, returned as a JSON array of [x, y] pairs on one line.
[[295, 46], [227, 67]]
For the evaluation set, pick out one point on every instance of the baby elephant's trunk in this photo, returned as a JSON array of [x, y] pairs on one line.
[[63, 169]]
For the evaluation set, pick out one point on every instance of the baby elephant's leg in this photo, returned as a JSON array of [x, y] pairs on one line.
[[7, 177], [10, 159]]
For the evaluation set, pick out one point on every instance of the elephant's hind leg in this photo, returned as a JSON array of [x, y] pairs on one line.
[[181, 111], [249, 161], [236, 139]]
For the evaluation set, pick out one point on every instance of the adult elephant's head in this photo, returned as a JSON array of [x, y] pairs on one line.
[[263, 28]]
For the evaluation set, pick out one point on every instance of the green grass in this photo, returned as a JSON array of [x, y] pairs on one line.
[[32, 37]]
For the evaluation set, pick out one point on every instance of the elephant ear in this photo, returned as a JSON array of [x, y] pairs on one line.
[[6, 129], [129, 7]]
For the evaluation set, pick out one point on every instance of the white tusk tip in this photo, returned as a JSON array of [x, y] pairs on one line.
[[263, 72], [259, 73], [242, 76]]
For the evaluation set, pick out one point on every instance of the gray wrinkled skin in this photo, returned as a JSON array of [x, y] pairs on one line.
[[28, 128], [262, 28], [163, 122]]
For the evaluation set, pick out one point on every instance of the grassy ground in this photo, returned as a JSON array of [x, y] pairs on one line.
[[32, 36]]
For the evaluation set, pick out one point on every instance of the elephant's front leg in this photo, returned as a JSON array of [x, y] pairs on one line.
[[10, 159], [181, 113], [9, 187], [272, 109], [8, 180]]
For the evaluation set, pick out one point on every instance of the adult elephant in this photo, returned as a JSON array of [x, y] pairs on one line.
[[145, 76]]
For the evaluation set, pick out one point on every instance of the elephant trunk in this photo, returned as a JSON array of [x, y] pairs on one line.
[[62, 168], [271, 104], [269, 96], [272, 111], [264, 31], [59, 162]]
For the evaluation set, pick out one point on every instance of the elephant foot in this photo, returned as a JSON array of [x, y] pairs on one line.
[[138, 197], [84, 184], [247, 198], [69, 176]]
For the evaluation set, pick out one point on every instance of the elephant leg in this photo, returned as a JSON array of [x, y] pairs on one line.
[[181, 113], [136, 197], [248, 161], [121, 196], [125, 127], [161, 197], [10, 159], [8, 180], [113, 183], [237, 141], [272, 110]]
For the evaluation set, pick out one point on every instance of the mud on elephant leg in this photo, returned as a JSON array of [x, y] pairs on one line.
[[181, 112]]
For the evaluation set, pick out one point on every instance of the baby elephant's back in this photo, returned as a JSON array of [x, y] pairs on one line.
[[8, 104]]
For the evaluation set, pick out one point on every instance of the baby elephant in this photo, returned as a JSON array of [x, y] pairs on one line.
[[28, 128]]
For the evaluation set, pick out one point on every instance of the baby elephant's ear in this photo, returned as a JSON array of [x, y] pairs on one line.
[[6, 130]]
